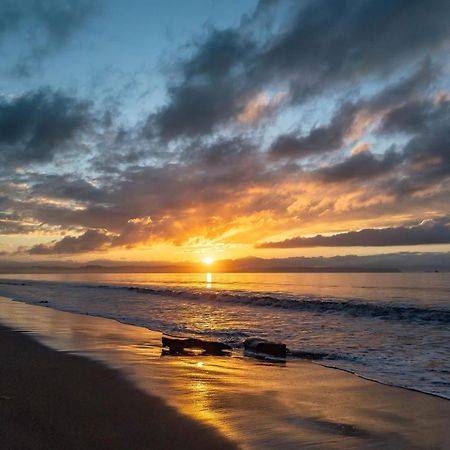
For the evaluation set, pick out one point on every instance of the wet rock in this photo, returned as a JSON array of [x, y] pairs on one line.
[[182, 346], [268, 348]]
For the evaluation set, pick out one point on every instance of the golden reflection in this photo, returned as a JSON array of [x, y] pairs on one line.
[[209, 280], [202, 408]]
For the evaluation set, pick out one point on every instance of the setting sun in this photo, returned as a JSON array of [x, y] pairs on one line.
[[207, 260]]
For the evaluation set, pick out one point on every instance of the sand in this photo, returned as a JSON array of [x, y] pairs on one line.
[[258, 405], [53, 400]]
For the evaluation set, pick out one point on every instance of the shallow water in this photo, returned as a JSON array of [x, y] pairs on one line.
[[394, 328], [259, 405]]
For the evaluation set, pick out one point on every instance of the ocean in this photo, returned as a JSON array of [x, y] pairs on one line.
[[389, 327]]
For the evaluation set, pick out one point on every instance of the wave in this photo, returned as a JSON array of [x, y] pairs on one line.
[[313, 304], [352, 307]]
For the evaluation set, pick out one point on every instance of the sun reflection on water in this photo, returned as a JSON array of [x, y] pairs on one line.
[[209, 280]]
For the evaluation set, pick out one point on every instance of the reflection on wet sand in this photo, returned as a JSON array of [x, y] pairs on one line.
[[258, 404]]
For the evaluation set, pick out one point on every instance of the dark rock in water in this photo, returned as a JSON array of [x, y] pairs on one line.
[[268, 348], [43, 301], [181, 346]]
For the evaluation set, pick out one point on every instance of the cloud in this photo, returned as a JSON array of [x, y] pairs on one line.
[[360, 148], [8, 226], [208, 166], [427, 232], [171, 202], [406, 89], [220, 189], [328, 43], [361, 165], [37, 124], [259, 107], [332, 136], [91, 240], [65, 187], [206, 95], [426, 156], [417, 116], [215, 190], [322, 139], [318, 45]]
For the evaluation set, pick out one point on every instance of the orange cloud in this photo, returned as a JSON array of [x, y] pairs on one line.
[[261, 105]]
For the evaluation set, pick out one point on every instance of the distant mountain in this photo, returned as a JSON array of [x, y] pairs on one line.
[[394, 262]]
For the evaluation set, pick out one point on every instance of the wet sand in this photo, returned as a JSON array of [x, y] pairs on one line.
[[258, 405], [54, 400]]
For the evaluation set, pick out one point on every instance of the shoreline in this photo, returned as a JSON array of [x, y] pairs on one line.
[[288, 358], [51, 399], [305, 404], [383, 383], [268, 359]]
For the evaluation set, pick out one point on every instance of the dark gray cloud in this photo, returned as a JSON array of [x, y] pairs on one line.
[[65, 187], [331, 42], [424, 160], [331, 137], [205, 95], [319, 45], [426, 156], [406, 89], [409, 118], [360, 166], [322, 139], [427, 232], [15, 227], [35, 125], [91, 240], [44, 27], [415, 117]]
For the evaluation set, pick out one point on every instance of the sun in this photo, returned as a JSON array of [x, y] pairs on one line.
[[207, 260]]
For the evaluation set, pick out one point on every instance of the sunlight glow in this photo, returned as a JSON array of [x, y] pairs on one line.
[[207, 260]]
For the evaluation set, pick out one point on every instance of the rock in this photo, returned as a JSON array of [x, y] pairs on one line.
[[268, 348], [178, 346]]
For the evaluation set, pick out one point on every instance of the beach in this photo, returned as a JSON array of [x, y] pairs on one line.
[[97, 383], [267, 181], [53, 400]]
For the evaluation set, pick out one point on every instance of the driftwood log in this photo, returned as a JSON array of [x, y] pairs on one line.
[[178, 345]]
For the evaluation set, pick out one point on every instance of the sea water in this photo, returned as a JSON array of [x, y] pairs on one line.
[[389, 327]]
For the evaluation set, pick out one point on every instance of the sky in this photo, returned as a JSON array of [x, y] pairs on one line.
[[180, 130]]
